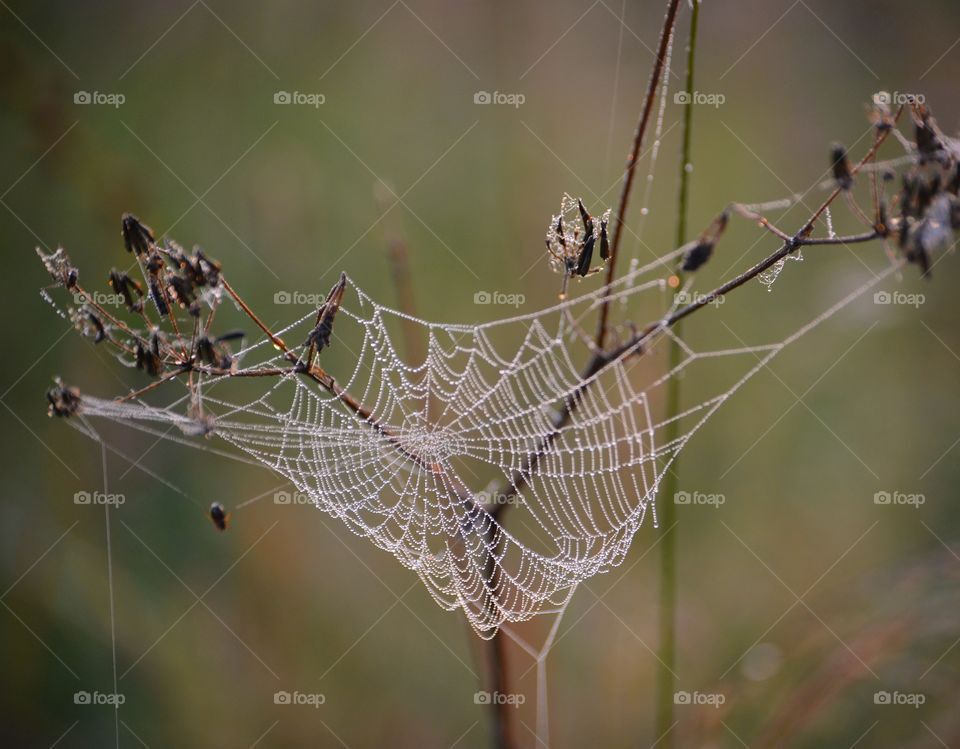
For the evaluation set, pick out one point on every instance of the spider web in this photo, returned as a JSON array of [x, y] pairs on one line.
[[484, 399]]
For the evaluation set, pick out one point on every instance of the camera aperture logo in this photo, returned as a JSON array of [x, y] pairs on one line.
[[699, 498], [913, 699], [98, 498], [514, 100], [499, 297], [298, 298], [99, 698], [714, 699], [684, 298], [98, 297], [898, 98], [899, 298], [291, 498], [490, 498], [295, 697], [699, 98], [899, 498], [299, 98], [99, 98], [499, 698]]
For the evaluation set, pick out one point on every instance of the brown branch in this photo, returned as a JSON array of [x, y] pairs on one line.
[[666, 34]]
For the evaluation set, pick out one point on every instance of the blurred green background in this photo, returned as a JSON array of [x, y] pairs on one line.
[[284, 196]]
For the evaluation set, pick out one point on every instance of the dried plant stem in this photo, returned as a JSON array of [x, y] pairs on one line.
[[598, 361], [667, 650], [666, 34]]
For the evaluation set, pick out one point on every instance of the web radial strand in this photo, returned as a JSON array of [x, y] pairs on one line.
[[464, 420]]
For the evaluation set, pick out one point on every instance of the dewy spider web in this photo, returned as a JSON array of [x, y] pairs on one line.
[[474, 406]]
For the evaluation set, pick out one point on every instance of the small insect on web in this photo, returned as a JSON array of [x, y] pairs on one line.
[[399, 451]]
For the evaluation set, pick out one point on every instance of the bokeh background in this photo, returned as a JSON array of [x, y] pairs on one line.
[[800, 598]]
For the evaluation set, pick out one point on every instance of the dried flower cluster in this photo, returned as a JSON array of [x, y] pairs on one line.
[[927, 207], [180, 287], [572, 237]]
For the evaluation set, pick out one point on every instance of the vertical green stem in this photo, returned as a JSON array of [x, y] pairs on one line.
[[666, 685]]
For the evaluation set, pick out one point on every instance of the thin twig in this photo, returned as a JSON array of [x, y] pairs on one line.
[[666, 34]]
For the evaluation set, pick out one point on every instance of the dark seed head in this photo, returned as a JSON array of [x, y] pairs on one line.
[[604, 241], [61, 270], [841, 166], [697, 256], [219, 516], [586, 256], [137, 237], [320, 337], [64, 401], [586, 218]]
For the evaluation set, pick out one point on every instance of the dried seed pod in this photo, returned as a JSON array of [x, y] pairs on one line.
[[99, 332], [319, 339], [925, 134], [586, 218], [559, 232], [61, 270], [883, 219], [604, 241], [137, 237], [122, 284], [219, 517], [841, 166], [233, 335], [205, 350], [214, 354], [208, 269], [148, 358], [181, 287], [64, 401], [586, 256], [156, 294], [697, 256]]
